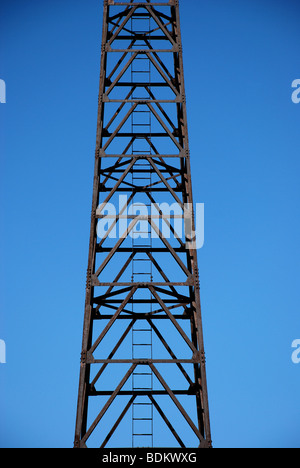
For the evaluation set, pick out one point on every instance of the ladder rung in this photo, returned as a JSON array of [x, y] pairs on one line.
[[143, 388], [143, 404], [140, 373], [142, 246], [141, 274], [142, 419], [141, 344], [142, 259]]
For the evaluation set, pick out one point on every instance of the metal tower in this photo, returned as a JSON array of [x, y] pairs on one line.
[[143, 374]]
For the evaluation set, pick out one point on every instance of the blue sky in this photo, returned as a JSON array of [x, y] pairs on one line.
[[240, 61]]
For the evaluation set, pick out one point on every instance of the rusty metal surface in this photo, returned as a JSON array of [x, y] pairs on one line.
[[120, 305]]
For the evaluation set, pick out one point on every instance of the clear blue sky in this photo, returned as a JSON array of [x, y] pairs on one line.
[[240, 60]]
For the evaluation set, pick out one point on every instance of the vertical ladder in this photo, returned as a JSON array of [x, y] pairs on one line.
[[142, 378]]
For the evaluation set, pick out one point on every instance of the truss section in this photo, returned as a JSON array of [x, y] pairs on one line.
[[143, 371]]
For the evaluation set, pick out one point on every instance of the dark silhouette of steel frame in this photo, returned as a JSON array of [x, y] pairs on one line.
[[171, 174]]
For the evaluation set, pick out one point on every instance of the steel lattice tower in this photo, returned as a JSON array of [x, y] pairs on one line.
[[143, 361]]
